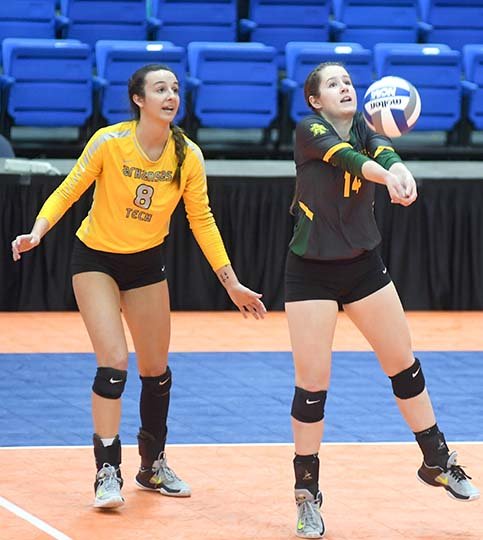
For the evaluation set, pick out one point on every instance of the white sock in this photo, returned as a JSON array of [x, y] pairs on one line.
[[107, 442]]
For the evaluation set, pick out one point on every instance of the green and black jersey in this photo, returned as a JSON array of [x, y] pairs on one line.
[[335, 203]]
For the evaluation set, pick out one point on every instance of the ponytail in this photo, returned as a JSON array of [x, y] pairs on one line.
[[180, 151]]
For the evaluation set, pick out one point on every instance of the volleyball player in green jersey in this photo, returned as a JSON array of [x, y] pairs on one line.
[[332, 260]]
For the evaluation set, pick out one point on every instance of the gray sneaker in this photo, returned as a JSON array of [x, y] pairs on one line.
[[162, 478], [309, 520], [452, 478], [108, 488]]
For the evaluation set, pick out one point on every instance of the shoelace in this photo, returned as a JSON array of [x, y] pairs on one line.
[[457, 472], [107, 477], [165, 471], [310, 514]]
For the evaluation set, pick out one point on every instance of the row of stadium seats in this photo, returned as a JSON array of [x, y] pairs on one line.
[[228, 85], [272, 22]]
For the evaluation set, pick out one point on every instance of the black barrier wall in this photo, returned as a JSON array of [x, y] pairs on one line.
[[433, 249]]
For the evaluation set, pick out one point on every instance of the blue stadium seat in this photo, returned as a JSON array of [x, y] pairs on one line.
[[48, 82], [302, 57], [27, 18], [235, 84], [435, 71], [453, 22], [276, 22], [91, 20], [375, 21], [473, 70], [118, 60], [182, 21]]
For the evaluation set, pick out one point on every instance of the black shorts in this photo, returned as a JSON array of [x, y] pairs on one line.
[[129, 270], [344, 281]]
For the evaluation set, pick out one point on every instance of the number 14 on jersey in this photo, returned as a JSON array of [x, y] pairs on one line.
[[351, 183]]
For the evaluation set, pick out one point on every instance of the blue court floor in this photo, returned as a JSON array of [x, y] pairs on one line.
[[234, 398]]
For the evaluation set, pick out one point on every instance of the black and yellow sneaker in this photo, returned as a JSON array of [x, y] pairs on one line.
[[160, 477], [452, 478], [154, 473]]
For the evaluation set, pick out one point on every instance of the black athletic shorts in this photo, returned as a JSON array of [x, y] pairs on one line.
[[345, 280], [129, 270]]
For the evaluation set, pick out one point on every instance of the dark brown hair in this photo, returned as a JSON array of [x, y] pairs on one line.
[[136, 86], [312, 82]]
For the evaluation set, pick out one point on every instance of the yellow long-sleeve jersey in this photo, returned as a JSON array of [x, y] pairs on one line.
[[135, 197]]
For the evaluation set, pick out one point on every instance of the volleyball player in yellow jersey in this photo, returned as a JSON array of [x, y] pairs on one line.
[[142, 169]]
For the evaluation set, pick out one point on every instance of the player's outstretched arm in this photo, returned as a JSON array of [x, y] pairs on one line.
[[26, 242], [394, 183], [407, 180], [246, 300]]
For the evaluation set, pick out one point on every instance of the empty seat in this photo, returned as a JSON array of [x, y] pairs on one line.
[[92, 20], [276, 22], [302, 57], [373, 21], [27, 19], [435, 71], [473, 70], [118, 60], [49, 82], [235, 84], [182, 21], [453, 22]]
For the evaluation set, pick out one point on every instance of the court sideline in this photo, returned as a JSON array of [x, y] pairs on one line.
[[239, 491]]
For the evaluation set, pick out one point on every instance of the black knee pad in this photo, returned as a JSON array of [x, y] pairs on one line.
[[308, 406], [158, 386], [109, 382], [409, 383]]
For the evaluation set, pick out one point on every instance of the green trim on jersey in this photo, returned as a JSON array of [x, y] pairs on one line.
[[350, 160], [387, 158]]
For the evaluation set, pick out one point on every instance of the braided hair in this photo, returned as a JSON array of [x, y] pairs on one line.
[[136, 86]]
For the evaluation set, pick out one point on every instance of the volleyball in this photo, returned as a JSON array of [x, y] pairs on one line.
[[391, 106]]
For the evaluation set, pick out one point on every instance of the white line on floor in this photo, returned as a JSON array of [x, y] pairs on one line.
[[36, 522]]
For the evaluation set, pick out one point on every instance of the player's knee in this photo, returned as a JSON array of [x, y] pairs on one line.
[[158, 386], [409, 383], [308, 406], [109, 382]]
